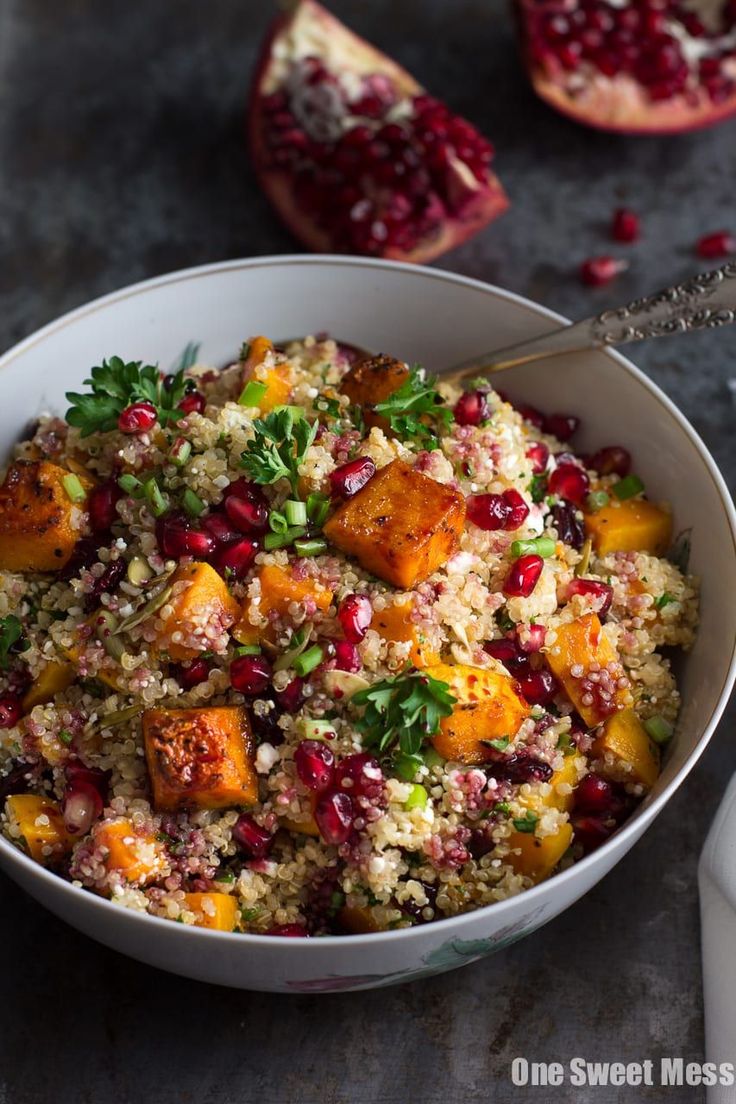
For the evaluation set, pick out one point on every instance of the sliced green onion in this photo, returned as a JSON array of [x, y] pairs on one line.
[[406, 765], [318, 507], [130, 485], [225, 876], [295, 511], [299, 642], [317, 728], [310, 547], [277, 522], [418, 797], [252, 394], [180, 452], [308, 660], [541, 546], [248, 649], [155, 498], [192, 503], [282, 540], [659, 729], [596, 500], [74, 488], [628, 487]]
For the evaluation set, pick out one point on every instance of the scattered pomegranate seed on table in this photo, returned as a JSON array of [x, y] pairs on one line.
[[625, 226], [597, 271], [719, 244]]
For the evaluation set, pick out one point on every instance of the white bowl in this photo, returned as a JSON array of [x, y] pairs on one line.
[[437, 319]]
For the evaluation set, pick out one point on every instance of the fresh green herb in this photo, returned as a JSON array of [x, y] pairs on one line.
[[330, 407], [65, 736], [249, 914], [499, 744], [540, 546], [115, 385], [417, 799], [417, 398], [252, 394], [565, 744], [192, 503], [318, 507], [406, 766], [596, 500], [664, 600], [527, 823], [538, 487], [283, 540], [225, 876], [187, 358], [295, 511], [74, 488], [277, 522], [404, 710], [314, 547], [628, 487], [11, 632], [504, 622], [659, 729], [679, 554], [279, 446], [308, 660], [501, 808]]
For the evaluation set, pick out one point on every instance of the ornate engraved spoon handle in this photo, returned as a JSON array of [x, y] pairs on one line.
[[703, 302]]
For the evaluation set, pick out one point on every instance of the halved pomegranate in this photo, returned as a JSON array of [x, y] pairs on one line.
[[353, 153], [636, 66]]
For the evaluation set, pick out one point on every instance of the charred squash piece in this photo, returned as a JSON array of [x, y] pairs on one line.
[[372, 381], [537, 858], [39, 523], [274, 376], [625, 738], [401, 526], [200, 758], [278, 590], [394, 623], [41, 825], [488, 708], [138, 857], [631, 526], [582, 648], [202, 601], [218, 911]]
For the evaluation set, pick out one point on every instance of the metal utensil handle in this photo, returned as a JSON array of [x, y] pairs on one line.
[[702, 302]]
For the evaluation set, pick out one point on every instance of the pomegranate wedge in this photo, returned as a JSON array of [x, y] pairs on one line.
[[354, 155], [637, 66]]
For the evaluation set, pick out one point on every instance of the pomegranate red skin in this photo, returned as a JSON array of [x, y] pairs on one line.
[[137, 418], [524, 576], [250, 675]]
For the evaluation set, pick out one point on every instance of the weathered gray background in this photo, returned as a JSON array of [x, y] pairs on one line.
[[121, 156]]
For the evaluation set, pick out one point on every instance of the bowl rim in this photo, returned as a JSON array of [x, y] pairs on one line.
[[645, 813]]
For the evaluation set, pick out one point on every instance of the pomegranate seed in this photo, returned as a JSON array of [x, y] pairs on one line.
[[253, 840], [347, 656], [531, 414], [597, 271], [137, 418], [361, 776], [315, 765], [348, 480], [625, 225], [193, 674], [524, 576], [570, 528], [101, 505], [592, 588], [10, 710], [176, 538], [290, 931], [595, 794], [591, 831], [471, 408], [106, 583], [569, 482], [220, 528], [76, 772], [243, 488], [355, 614], [248, 515], [292, 696], [538, 687], [250, 675], [561, 426], [535, 639], [719, 244], [538, 454], [334, 814], [497, 511], [519, 509], [613, 460], [193, 403], [235, 560], [518, 768], [508, 652], [81, 806]]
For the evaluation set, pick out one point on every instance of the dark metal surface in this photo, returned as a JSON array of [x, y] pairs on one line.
[[121, 157]]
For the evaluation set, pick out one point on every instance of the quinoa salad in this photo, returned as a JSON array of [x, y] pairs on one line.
[[315, 644]]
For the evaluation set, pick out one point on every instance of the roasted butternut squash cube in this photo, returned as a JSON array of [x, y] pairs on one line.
[[631, 526], [372, 381], [138, 857], [278, 590], [488, 708], [200, 758], [401, 526], [636, 756], [561, 792], [581, 649], [394, 623], [218, 911], [202, 609], [53, 679], [259, 365], [357, 920], [537, 858], [41, 825], [306, 827], [39, 523], [111, 678]]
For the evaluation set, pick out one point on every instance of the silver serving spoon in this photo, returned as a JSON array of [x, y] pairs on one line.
[[701, 303]]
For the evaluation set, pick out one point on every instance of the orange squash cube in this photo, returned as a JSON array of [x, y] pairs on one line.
[[401, 526], [274, 376], [306, 827], [625, 738], [41, 825], [218, 911], [562, 785], [631, 526], [138, 857], [372, 381], [394, 623], [581, 646], [537, 858], [356, 920], [278, 590], [53, 679], [203, 601], [200, 758], [488, 708], [39, 523]]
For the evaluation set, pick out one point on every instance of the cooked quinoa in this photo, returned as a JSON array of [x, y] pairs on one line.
[[237, 693]]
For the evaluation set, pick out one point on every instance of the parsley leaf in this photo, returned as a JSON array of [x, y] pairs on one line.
[[11, 631], [527, 823], [279, 446], [538, 487], [408, 408], [664, 600], [403, 711], [498, 745], [116, 385]]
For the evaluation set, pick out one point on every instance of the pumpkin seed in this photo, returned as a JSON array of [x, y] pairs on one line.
[[582, 567], [139, 571], [146, 610], [110, 720], [106, 626]]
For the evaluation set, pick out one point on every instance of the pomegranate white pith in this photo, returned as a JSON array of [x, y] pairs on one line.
[[638, 66], [354, 155]]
